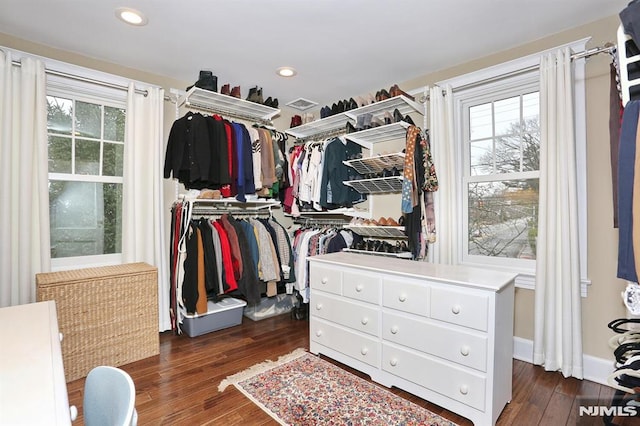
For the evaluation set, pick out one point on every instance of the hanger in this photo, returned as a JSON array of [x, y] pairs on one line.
[[615, 378]]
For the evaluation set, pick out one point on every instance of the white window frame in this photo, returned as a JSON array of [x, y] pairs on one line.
[[484, 94], [92, 93], [518, 73]]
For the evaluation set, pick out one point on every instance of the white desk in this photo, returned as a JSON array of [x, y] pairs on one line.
[[33, 390]]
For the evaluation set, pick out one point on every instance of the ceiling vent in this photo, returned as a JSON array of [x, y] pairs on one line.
[[302, 104]]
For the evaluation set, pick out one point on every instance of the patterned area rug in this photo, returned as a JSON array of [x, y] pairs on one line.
[[302, 389]]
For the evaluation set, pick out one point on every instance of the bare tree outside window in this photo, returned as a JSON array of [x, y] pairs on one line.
[[503, 187]]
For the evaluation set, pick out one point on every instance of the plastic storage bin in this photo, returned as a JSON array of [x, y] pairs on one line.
[[223, 314]]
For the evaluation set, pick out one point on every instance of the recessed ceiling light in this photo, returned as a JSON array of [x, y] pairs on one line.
[[286, 72], [131, 16]]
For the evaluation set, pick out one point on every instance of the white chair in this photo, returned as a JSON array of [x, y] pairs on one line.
[[109, 398]]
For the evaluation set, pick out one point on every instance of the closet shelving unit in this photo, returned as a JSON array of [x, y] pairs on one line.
[[207, 100], [336, 123], [229, 107], [231, 205], [374, 164]]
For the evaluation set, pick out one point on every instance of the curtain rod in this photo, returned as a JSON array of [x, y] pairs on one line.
[[87, 79], [607, 48]]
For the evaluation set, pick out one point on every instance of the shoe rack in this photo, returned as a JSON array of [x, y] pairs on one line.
[[385, 144], [226, 105], [336, 124]]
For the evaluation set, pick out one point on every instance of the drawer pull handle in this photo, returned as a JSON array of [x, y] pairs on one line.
[[319, 306], [402, 297], [455, 309], [393, 362], [464, 350], [464, 389], [324, 280], [359, 288], [364, 321], [394, 329], [364, 351], [319, 333]]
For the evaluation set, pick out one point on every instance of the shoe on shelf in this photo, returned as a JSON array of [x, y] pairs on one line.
[[225, 89], [296, 121], [392, 222], [397, 116], [206, 81], [408, 119], [384, 95], [235, 92], [396, 91]]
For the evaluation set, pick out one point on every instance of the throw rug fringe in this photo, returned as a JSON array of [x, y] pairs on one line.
[[300, 388]]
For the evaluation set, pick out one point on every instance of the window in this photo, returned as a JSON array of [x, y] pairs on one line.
[[501, 150], [497, 141], [86, 146]]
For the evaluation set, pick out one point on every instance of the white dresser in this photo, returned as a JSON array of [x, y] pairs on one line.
[[441, 332]]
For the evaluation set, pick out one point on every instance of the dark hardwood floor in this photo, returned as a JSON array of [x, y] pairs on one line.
[[180, 386]]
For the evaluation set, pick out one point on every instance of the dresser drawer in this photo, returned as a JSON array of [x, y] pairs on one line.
[[406, 295], [446, 342], [462, 308], [325, 278], [446, 379], [350, 343], [344, 312], [361, 286]]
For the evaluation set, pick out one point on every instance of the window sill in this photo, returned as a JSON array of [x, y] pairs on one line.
[[528, 282]]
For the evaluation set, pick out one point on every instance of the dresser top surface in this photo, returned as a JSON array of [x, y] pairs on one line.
[[476, 277]]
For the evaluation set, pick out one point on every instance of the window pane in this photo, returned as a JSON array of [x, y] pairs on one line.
[[86, 218], [59, 115], [481, 157], [507, 112], [503, 218], [87, 157], [480, 126], [113, 163], [88, 120], [59, 154], [531, 106], [114, 124], [508, 154]]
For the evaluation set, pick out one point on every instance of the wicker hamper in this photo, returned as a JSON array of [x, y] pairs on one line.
[[107, 315]]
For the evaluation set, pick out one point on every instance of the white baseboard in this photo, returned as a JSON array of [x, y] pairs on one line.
[[595, 369]]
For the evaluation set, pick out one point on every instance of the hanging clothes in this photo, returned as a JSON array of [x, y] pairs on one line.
[[224, 256], [210, 152], [626, 165]]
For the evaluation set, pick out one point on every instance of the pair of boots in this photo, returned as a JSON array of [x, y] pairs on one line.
[[230, 91], [206, 81], [255, 95]]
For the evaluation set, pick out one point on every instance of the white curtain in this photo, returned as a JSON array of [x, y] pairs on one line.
[[442, 147], [143, 230], [24, 210], [557, 341]]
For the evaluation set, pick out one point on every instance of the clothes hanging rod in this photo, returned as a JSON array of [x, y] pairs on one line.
[[229, 113], [87, 79]]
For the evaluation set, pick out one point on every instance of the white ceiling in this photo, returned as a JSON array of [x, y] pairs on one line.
[[341, 48]]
